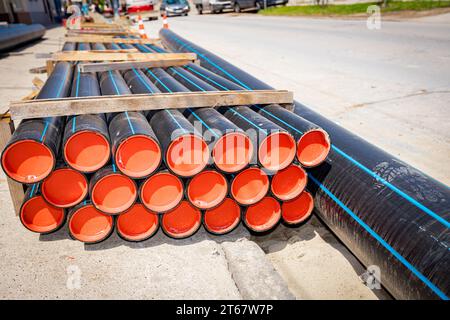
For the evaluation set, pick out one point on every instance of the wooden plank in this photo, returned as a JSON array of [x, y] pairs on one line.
[[140, 102], [119, 56], [50, 65], [100, 25], [109, 39], [15, 189], [126, 65], [111, 32]]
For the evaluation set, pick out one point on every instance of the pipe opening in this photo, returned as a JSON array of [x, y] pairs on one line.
[[64, 188], [161, 192], [289, 182], [87, 224], [138, 156], [39, 216], [223, 218], [299, 209], [114, 193], [207, 189], [232, 152], [250, 186], [277, 151], [313, 148], [28, 161], [87, 151], [263, 215], [181, 222], [187, 155], [137, 224]]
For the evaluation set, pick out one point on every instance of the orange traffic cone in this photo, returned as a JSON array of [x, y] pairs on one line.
[[165, 23], [141, 28]]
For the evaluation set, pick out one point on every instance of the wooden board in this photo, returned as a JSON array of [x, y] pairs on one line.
[[126, 65], [109, 39], [111, 32], [140, 102], [119, 56]]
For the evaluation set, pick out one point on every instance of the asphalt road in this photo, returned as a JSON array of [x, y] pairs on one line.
[[390, 86]]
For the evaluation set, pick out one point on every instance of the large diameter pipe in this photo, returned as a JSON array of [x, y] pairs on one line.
[[137, 224], [89, 225], [222, 219], [37, 215], [181, 222], [111, 191], [136, 149], [64, 187], [386, 212], [313, 143], [31, 153], [86, 143]]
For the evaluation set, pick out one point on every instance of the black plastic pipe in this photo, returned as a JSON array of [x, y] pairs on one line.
[[112, 192], [389, 214], [85, 214], [39, 216], [31, 153], [86, 142]]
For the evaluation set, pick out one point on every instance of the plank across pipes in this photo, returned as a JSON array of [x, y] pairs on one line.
[[126, 65], [109, 39], [138, 102], [119, 56]]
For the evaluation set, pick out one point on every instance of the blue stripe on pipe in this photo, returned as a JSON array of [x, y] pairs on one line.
[[142, 80], [114, 82], [244, 118], [44, 131], [366, 227], [380, 240], [378, 178], [73, 123], [207, 78], [32, 189], [187, 79], [157, 79], [114, 168]]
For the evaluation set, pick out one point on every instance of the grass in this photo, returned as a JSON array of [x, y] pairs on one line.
[[348, 9]]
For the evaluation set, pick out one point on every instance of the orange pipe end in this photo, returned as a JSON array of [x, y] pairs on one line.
[[87, 151], [299, 209], [263, 215], [277, 151], [232, 152], [161, 192], [137, 224], [181, 222], [114, 193], [28, 161], [289, 182], [187, 155], [250, 186], [64, 188], [207, 189], [39, 216], [313, 148], [223, 218], [89, 225], [138, 156]]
